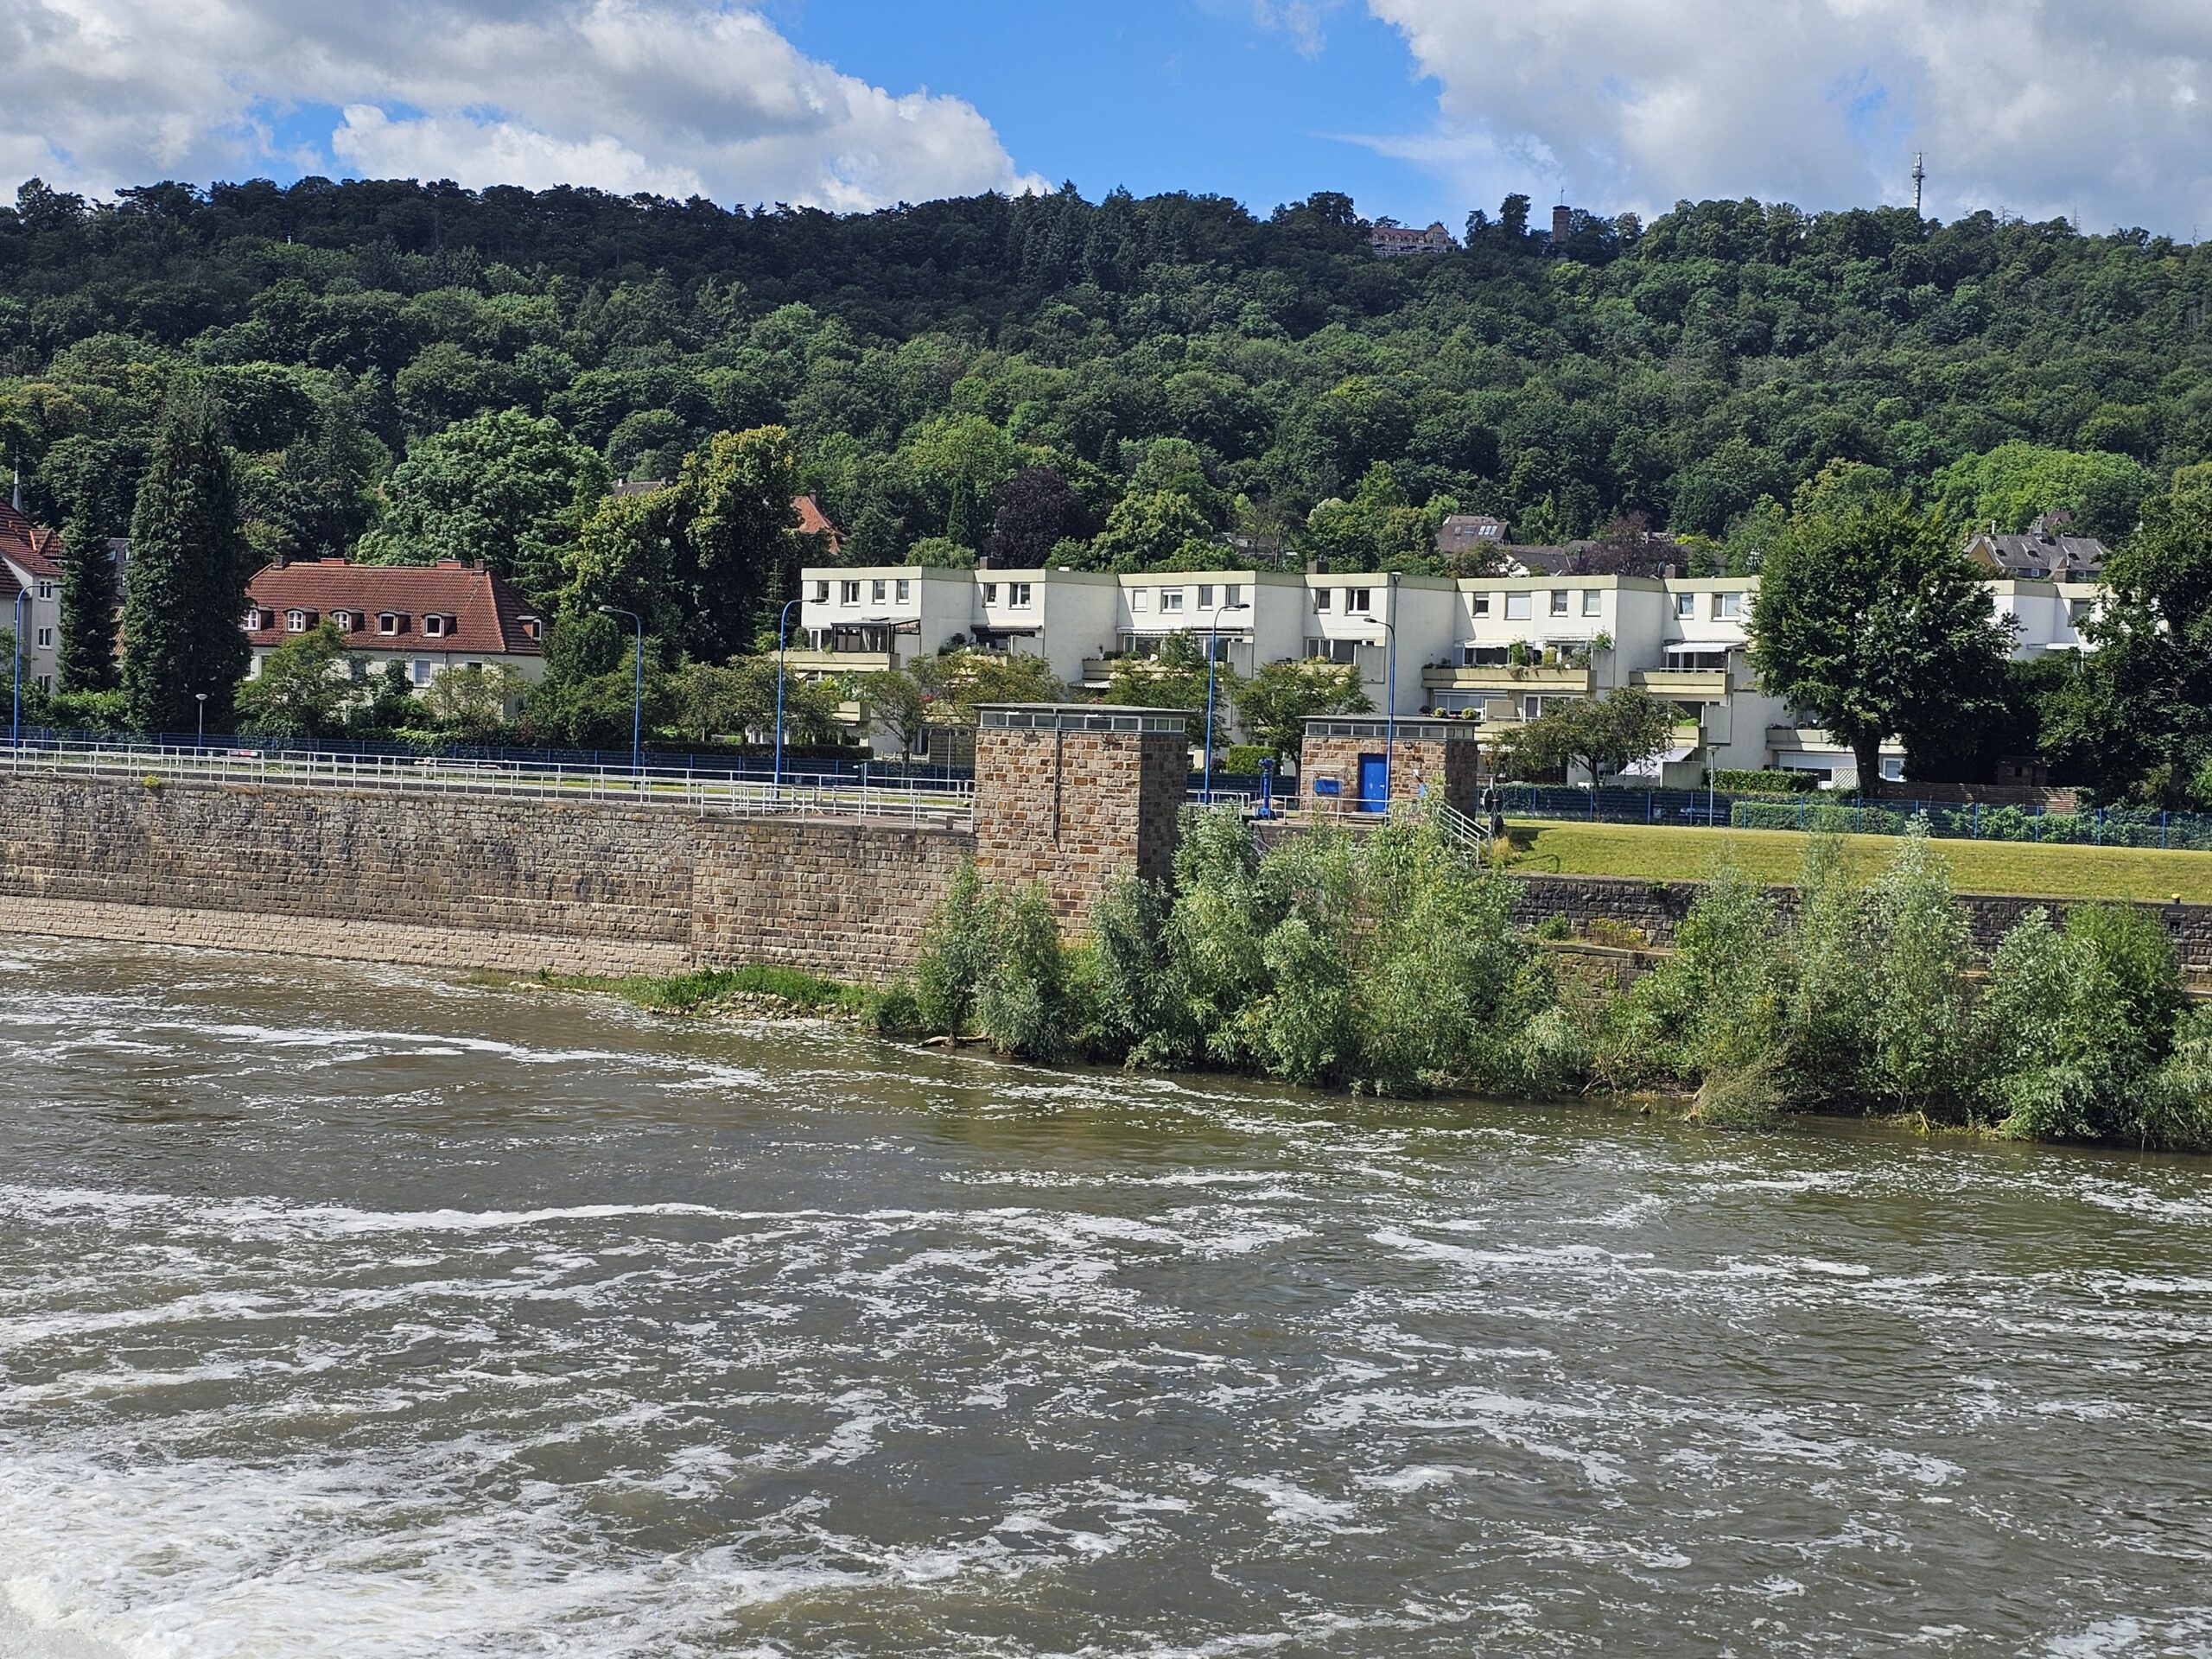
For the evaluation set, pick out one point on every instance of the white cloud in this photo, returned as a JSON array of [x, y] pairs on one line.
[[669, 96], [2097, 108]]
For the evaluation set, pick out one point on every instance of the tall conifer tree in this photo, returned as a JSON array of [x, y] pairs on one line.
[[188, 569], [85, 661]]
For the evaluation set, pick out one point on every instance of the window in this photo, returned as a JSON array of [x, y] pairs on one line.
[[2077, 611], [990, 593], [46, 591], [876, 591], [46, 638], [388, 621], [906, 589], [419, 671], [1018, 595], [1481, 603], [1727, 607], [849, 592], [1171, 599], [1517, 606], [1333, 651], [1684, 606], [1359, 601], [1320, 598], [822, 592], [1593, 602], [343, 620], [1559, 601], [1233, 595], [435, 626], [1140, 598], [296, 621], [1205, 596]]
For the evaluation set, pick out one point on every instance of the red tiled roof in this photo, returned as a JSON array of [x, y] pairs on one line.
[[487, 611], [26, 544], [812, 521]]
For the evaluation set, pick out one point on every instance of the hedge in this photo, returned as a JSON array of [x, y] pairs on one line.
[[1779, 781], [1848, 820]]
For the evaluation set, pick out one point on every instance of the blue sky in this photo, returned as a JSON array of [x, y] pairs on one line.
[[1418, 109], [1159, 94]]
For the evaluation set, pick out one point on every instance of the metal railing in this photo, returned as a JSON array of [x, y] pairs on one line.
[[949, 805]]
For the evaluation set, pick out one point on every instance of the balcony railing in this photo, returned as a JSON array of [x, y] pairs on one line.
[[1508, 677], [1684, 684], [837, 661]]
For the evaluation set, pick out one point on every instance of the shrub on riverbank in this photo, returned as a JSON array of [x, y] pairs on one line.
[[1870, 999], [1390, 963], [1386, 961]]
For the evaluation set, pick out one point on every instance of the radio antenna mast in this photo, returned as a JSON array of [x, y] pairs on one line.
[[1919, 178]]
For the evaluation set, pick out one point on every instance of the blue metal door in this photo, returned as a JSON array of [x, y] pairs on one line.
[[1374, 783]]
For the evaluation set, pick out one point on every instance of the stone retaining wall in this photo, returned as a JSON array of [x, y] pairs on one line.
[[466, 879], [1656, 908]]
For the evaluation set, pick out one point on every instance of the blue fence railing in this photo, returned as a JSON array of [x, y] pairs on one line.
[[2115, 826]]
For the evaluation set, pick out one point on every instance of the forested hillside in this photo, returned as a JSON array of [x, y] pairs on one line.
[[1184, 366]]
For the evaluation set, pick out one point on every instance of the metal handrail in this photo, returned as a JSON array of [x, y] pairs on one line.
[[730, 793]]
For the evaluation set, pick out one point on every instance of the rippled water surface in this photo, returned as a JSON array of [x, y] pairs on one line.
[[349, 1312]]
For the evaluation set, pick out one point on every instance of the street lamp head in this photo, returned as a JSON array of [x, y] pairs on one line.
[[199, 697]]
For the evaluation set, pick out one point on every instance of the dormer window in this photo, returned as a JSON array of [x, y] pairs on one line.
[[298, 621], [435, 625], [342, 621], [390, 622], [532, 629]]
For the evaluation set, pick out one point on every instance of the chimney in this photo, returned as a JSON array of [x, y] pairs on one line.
[[1562, 223]]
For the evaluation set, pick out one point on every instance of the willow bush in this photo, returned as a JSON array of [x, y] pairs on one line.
[[1390, 963]]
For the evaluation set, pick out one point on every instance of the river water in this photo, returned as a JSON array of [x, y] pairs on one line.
[[349, 1311]]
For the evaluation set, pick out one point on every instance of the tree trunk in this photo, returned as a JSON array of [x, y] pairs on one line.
[[1867, 752]]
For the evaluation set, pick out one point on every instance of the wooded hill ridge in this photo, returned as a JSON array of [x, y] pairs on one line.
[[1187, 367]]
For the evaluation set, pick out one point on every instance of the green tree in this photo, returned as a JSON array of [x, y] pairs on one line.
[[189, 571], [86, 658], [326, 482], [959, 462], [508, 488], [1273, 705], [1174, 677], [2136, 717], [899, 703], [1872, 623], [741, 550], [474, 702], [961, 681], [1147, 527], [1602, 736], [303, 686], [2016, 483]]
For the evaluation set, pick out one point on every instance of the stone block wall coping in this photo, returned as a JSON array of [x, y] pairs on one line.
[[1079, 717]]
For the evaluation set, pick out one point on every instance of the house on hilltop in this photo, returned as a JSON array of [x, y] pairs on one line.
[[1391, 240], [429, 617], [2046, 553]]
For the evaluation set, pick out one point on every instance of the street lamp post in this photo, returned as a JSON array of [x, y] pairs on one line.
[[637, 708], [1389, 702], [15, 720], [1213, 650], [783, 627], [200, 697]]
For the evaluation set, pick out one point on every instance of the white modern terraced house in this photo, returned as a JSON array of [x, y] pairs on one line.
[[1493, 650]]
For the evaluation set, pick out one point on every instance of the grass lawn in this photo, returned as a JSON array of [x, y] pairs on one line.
[[1670, 853]]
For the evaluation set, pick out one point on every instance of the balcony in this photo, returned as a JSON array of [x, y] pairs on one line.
[[1510, 676], [837, 661], [1684, 684]]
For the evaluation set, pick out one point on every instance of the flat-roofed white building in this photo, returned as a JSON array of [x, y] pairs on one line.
[[1498, 651]]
